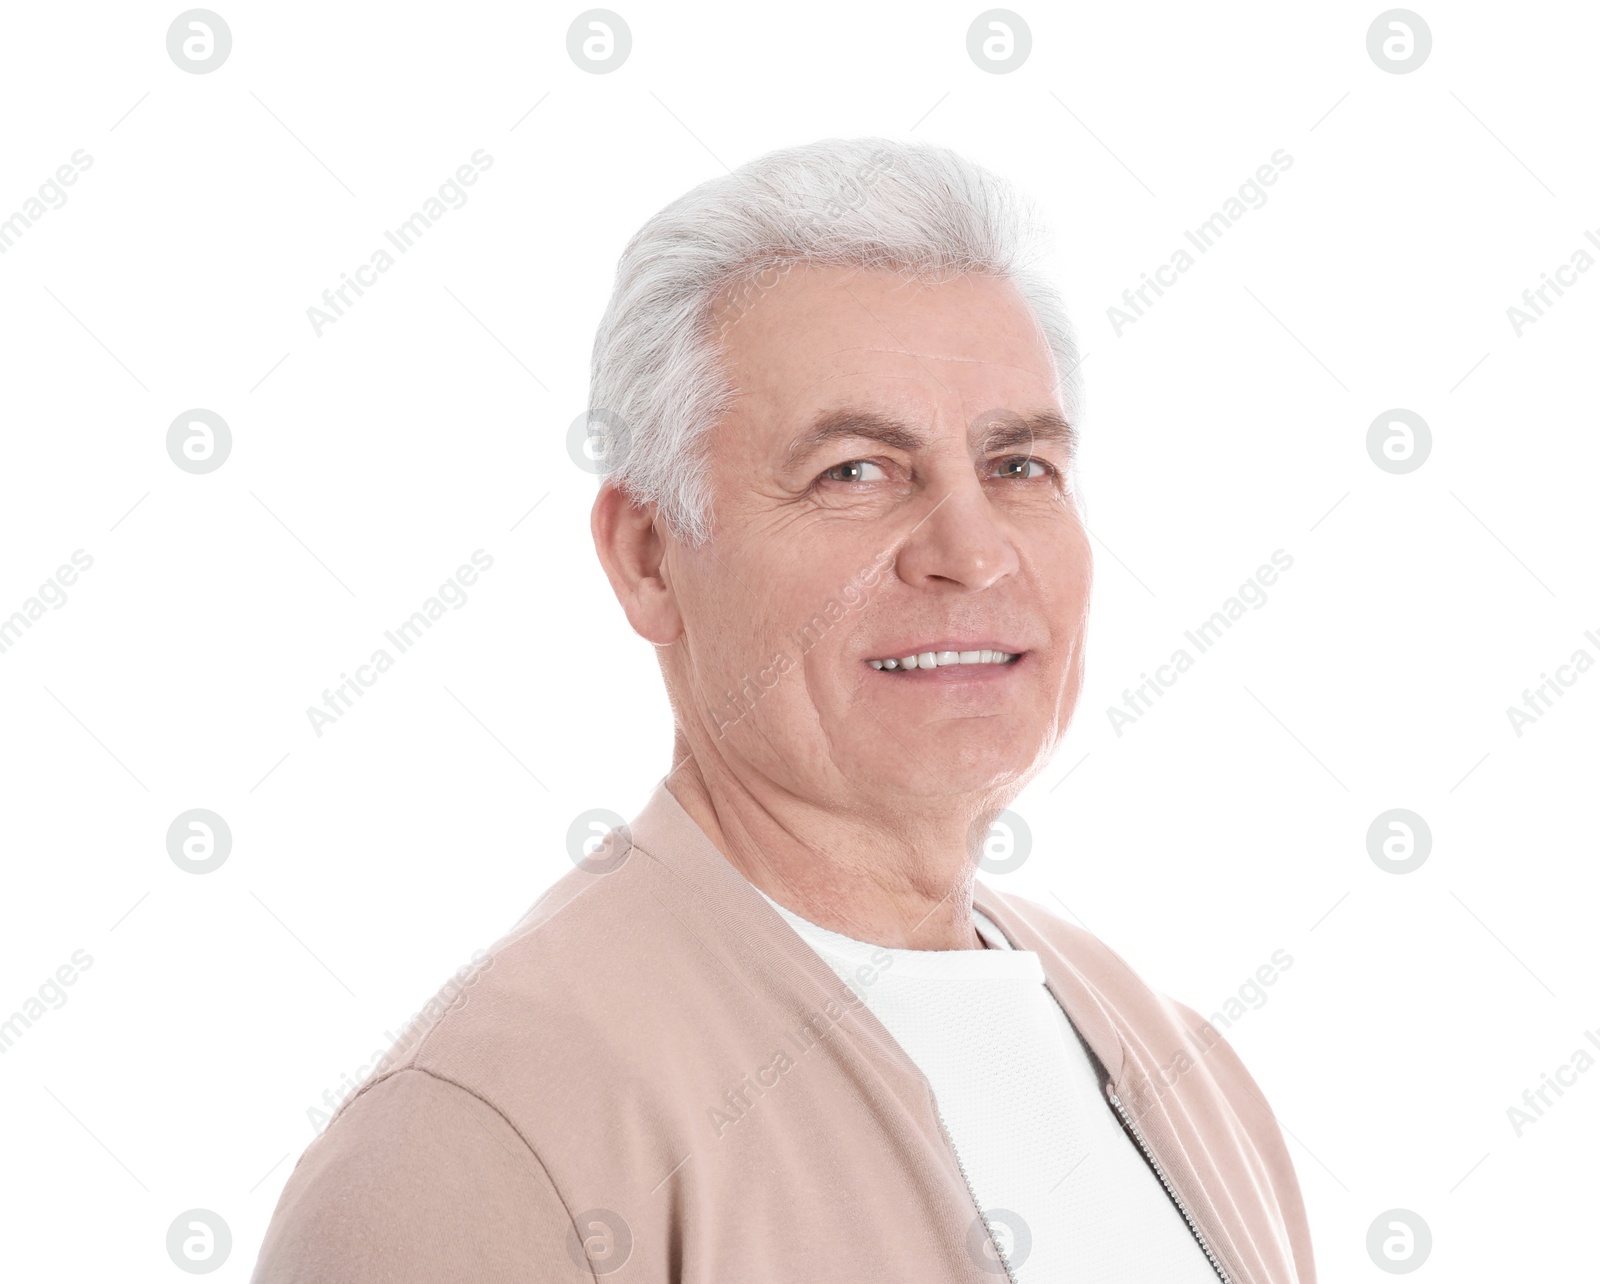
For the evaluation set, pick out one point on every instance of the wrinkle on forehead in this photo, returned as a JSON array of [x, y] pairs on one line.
[[934, 356]]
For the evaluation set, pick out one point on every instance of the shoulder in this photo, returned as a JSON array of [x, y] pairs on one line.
[[439, 1166], [574, 1004], [416, 1180]]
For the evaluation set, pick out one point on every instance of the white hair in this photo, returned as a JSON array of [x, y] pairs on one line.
[[658, 377]]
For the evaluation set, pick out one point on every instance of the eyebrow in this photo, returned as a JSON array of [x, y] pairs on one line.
[[1005, 430]]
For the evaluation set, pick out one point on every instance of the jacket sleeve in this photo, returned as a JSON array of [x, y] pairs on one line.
[[418, 1181], [1250, 1105]]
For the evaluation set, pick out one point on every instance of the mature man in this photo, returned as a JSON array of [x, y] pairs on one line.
[[775, 1030]]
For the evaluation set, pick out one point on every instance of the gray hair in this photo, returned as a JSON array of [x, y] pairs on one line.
[[658, 376]]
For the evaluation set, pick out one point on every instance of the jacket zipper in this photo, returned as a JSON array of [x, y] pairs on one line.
[[982, 1216], [1155, 1167]]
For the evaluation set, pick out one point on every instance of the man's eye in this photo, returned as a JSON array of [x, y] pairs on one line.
[[1018, 466], [855, 470]]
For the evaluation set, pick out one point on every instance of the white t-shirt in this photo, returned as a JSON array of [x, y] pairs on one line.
[[1065, 1189]]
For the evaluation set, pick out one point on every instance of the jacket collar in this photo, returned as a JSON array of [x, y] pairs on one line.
[[665, 832], [1064, 977]]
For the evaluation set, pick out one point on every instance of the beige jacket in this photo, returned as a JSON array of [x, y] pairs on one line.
[[655, 1079]]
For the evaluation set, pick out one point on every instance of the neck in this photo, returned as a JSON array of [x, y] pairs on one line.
[[900, 884]]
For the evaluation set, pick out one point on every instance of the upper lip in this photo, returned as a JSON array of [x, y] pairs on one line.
[[960, 644]]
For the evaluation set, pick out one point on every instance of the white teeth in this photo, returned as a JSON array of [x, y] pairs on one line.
[[938, 659]]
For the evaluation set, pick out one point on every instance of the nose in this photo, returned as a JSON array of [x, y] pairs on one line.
[[958, 541]]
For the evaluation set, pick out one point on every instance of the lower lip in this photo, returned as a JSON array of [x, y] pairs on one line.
[[947, 674]]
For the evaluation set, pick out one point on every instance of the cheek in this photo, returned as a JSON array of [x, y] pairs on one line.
[[1067, 574], [751, 625]]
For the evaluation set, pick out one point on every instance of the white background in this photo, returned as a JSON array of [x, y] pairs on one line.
[[431, 420]]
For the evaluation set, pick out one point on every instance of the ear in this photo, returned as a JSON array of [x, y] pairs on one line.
[[632, 554]]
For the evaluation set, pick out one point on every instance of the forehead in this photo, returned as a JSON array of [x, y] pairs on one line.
[[810, 335]]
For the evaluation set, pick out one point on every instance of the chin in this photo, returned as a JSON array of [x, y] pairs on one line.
[[926, 769]]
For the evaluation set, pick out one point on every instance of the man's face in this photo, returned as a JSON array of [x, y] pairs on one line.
[[878, 492]]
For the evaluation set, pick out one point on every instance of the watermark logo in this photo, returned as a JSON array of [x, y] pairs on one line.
[[1399, 441], [199, 1241], [199, 41], [1399, 41], [599, 41], [999, 1230], [597, 440], [1399, 841], [599, 1240], [1399, 1241], [598, 841], [999, 41], [1001, 843], [199, 841], [199, 441]]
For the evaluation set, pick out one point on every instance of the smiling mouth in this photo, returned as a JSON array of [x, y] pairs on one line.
[[945, 660]]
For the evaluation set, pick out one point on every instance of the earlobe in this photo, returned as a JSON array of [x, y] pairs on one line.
[[632, 552]]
